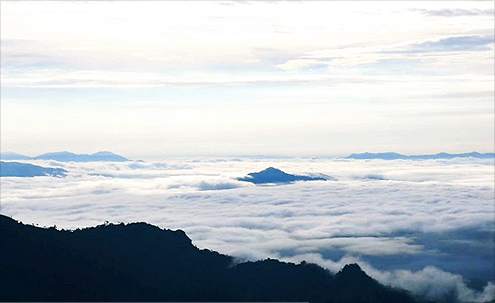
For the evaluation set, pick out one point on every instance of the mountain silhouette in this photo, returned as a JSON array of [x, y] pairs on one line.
[[395, 156], [17, 169], [274, 175], [141, 262], [385, 156], [71, 157], [13, 156], [101, 156]]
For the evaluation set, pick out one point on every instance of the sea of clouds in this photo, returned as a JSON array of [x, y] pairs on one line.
[[423, 225]]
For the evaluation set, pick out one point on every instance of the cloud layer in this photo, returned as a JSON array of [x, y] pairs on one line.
[[407, 221]]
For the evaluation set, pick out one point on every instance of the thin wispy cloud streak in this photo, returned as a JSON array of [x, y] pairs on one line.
[[457, 43], [456, 12], [434, 50]]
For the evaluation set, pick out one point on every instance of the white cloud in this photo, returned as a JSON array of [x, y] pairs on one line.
[[409, 215], [428, 283], [435, 284], [293, 78], [162, 37], [469, 52]]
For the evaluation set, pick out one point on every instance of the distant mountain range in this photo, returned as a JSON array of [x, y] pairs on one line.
[[395, 156], [141, 262], [274, 175], [106, 156], [101, 156], [16, 169]]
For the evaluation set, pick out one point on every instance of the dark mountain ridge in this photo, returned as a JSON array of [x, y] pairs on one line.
[[64, 156], [395, 156], [141, 262]]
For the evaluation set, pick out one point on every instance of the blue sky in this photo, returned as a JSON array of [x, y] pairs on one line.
[[229, 78]]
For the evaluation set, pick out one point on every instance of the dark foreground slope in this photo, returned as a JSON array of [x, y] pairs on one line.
[[140, 262]]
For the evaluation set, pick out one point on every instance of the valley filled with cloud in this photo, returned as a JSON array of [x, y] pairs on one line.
[[423, 225], [201, 89]]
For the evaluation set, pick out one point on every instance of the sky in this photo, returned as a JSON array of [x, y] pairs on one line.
[[423, 225], [196, 83], [316, 78]]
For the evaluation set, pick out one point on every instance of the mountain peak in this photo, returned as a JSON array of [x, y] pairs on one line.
[[104, 153], [351, 269], [352, 272], [72, 157], [56, 154], [272, 169], [275, 175]]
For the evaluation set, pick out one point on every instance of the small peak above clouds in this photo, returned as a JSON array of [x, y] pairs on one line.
[[275, 175], [104, 153], [270, 171]]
